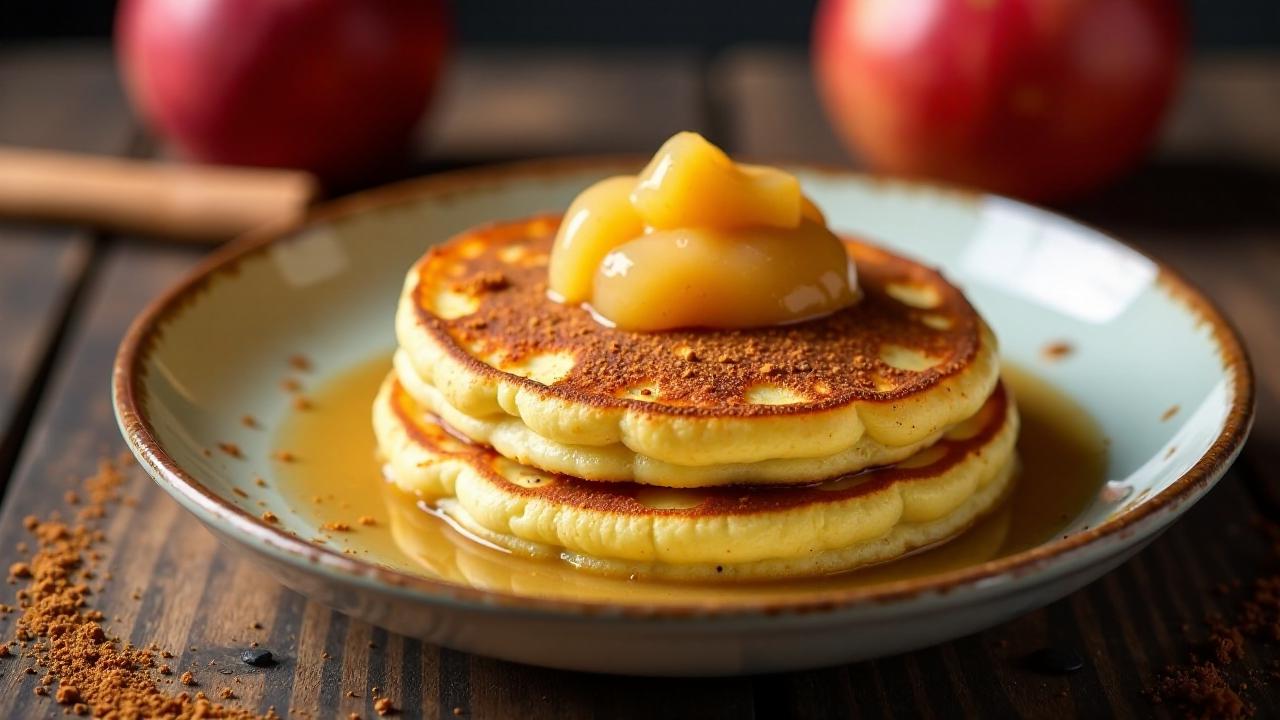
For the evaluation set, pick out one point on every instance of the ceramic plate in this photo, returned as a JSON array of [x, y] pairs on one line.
[[1142, 342]]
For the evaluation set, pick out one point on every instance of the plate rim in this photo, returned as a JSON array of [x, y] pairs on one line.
[[140, 340]]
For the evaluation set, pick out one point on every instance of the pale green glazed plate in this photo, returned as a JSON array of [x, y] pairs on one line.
[[209, 351]]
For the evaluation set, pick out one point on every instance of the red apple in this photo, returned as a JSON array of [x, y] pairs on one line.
[[1044, 99], [331, 86]]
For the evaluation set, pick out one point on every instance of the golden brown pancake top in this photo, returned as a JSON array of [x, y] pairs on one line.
[[627, 498], [831, 361]]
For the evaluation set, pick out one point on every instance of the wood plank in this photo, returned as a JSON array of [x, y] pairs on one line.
[[1226, 110], [74, 427], [44, 100], [771, 103], [1208, 203], [39, 270], [62, 96], [172, 584], [191, 593], [510, 103]]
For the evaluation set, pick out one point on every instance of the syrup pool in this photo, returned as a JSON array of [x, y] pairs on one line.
[[1062, 451]]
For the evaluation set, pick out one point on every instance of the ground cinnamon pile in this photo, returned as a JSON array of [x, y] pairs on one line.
[[1203, 687], [1201, 691], [82, 667]]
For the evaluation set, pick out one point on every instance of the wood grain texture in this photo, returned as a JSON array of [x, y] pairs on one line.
[[44, 101], [173, 584], [1209, 203], [64, 97], [38, 273], [1224, 110], [502, 104], [772, 103]]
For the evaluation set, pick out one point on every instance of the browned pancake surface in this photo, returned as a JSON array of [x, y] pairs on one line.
[[831, 361]]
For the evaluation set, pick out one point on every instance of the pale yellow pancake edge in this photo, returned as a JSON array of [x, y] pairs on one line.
[[818, 537]]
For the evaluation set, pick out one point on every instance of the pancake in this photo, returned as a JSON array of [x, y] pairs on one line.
[[512, 439], [447, 552], [757, 532], [909, 360]]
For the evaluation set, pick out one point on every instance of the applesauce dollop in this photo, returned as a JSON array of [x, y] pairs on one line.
[[697, 240]]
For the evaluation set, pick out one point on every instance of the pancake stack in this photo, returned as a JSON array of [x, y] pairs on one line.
[[770, 452]]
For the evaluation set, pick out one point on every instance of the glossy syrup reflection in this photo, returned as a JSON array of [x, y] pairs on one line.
[[1062, 452]]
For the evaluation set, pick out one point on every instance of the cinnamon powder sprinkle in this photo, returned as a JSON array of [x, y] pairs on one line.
[[300, 362], [841, 351], [1057, 350], [231, 449], [67, 695], [482, 282], [1208, 685], [1201, 691], [368, 520], [336, 527], [268, 516], [94, 674], [250, 422], [1226, 643]]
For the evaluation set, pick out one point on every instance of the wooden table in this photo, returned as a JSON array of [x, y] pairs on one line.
[[1209, 203]]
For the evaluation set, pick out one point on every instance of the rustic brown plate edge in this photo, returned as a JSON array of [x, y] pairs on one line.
[[127, 400]]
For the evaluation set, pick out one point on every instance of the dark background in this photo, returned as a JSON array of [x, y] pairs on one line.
[[706, 24]]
